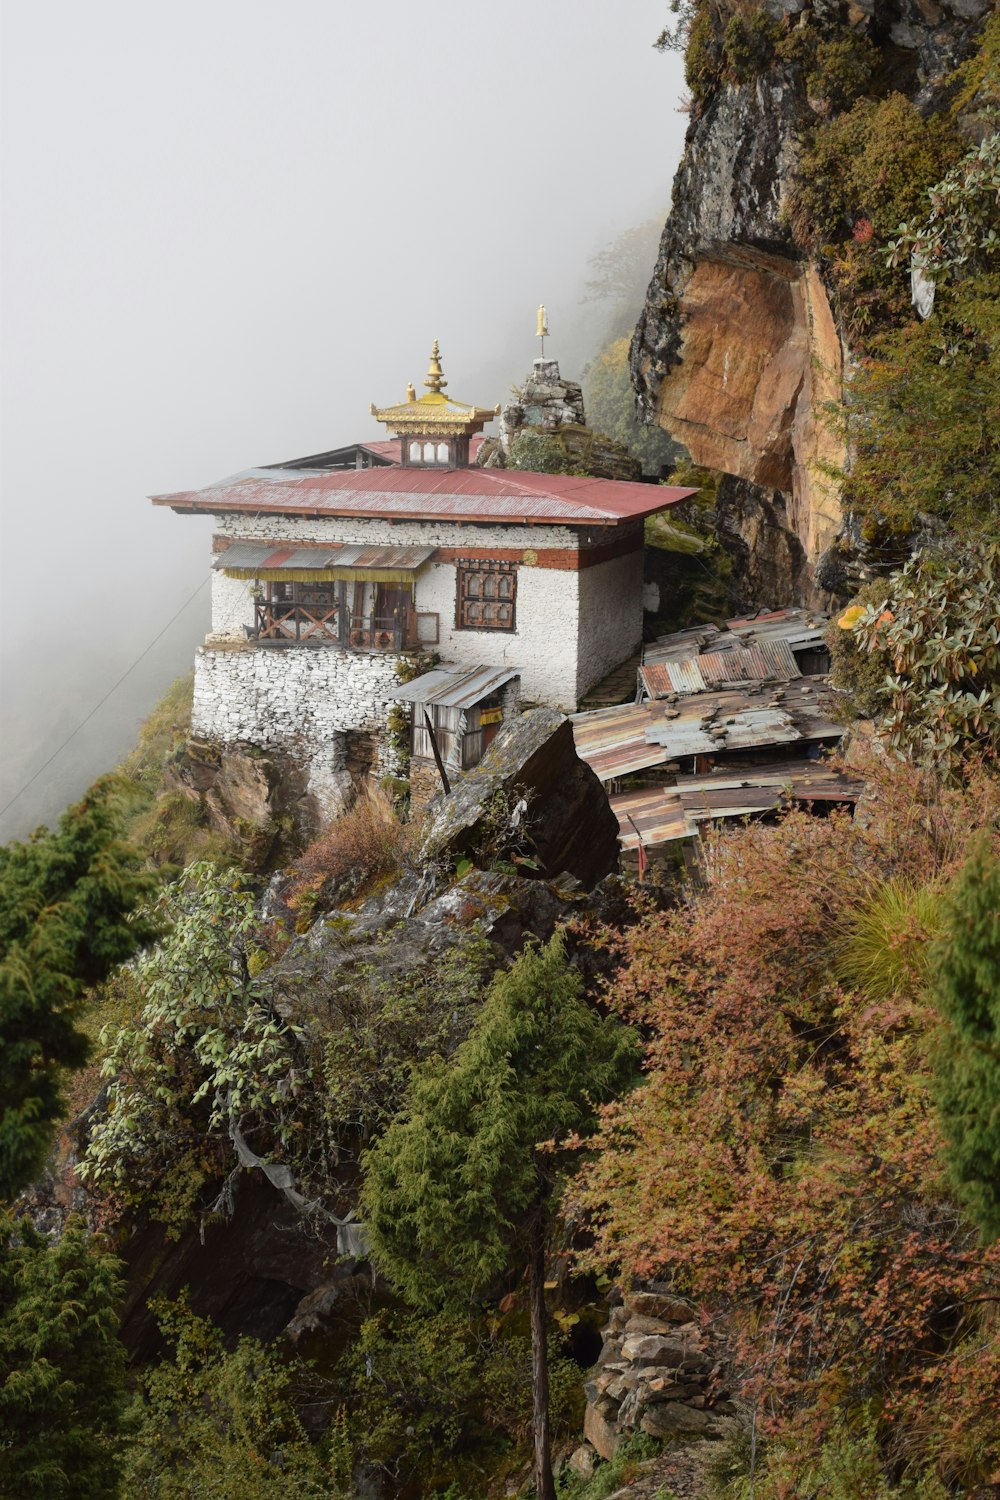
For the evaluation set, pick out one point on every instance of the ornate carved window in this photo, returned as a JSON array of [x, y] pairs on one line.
[[487, 594]]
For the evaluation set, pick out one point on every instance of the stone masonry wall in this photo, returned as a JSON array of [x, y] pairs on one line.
[[302, 700]]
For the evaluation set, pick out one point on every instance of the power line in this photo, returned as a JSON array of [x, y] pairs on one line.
[[98, 706]]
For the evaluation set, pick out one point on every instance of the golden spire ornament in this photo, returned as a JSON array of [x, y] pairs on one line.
[[435, 380], [541, 327]]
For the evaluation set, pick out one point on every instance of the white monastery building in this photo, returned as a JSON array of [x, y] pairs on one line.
[[328, 570]]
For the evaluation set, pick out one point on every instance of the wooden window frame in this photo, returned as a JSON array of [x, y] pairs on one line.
[[467, 599]]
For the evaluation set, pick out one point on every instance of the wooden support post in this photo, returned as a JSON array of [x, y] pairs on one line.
[[437, 754]]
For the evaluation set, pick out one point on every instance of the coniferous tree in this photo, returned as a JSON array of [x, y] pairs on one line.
[[460, 1190], [62, 1368], [967, 991], [68, 904]]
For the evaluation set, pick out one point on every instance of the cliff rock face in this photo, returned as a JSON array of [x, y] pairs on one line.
[[737, 350]]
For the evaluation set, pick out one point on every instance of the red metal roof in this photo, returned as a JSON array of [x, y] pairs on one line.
[[431, 494]]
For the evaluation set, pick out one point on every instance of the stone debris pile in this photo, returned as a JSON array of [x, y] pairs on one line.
[[655, 1375]]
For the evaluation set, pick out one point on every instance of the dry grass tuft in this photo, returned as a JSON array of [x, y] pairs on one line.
[[363, 846]]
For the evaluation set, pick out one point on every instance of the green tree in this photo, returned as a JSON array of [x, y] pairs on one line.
[[610, 402], [68, 914], [62, 1368], [212, 1421], [967, 992], [206, 1051], [463, 1188]]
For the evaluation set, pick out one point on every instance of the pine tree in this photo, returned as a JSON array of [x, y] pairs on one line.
[[967, 991], [461, 1189], [68, 904], [62, 1368]]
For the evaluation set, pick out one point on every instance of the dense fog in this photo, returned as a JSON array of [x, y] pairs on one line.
[[227, 228]]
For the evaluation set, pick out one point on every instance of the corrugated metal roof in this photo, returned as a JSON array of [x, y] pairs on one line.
[[617, 741], [303, 559], [801, 628], [657, 813], [684, 643], [768, 661], [728, 792], [454, 688], [431, 494], [613, 740], [665, 813], [798, 629]]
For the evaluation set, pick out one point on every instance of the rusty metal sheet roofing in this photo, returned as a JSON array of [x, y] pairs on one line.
[[430, 494], [713, 722], [455, 687], [730, 790], [769, 661], [657, 813], [684, 643], [662, 814], [613, 740], [267, 556], [801, 628]]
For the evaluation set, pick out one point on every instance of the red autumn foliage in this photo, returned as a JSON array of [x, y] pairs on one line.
[[781, 1159]]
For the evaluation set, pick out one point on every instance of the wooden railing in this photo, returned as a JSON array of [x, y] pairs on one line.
[[295, 623]]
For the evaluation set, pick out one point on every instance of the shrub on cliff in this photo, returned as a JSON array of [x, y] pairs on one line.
[[860, 176], [782, 1161], [202, 1052], [208, 1420], [363, 845], [967, 991], [934, 631]]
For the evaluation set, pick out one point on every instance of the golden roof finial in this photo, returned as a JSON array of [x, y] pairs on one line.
[[435, 380], [411, 394]]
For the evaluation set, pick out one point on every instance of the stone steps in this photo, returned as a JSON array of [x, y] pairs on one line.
[[618, 687]]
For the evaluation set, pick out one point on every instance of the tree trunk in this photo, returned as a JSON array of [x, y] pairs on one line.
[[540, 1365]]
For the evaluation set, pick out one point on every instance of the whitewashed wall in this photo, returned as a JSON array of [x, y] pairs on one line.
[[297, 699], [610, 620], [572, 627]]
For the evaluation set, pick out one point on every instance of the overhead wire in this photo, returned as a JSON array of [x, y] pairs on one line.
[[100, 704]]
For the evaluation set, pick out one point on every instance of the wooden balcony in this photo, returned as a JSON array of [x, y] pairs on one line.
[[281, 624]]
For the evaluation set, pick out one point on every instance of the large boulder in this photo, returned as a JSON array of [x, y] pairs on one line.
[[569, 823]]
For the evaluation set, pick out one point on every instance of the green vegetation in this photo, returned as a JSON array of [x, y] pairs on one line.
[[436, 1399], [935, 632], [169, 826], [610, 404], [861, 175], [62, 1391], [967, 992], [460, 1190], [203, 1051], [69, 904], [538, 452], [212, 1421]]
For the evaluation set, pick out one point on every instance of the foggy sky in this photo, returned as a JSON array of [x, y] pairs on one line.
[[229, 226]]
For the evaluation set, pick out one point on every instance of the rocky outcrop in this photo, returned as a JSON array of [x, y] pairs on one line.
[[737, 352], [531, 791], [258, 801], [552, 407], [656, 1374]]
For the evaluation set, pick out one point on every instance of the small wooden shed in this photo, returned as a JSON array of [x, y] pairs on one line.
[[465, 706]]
